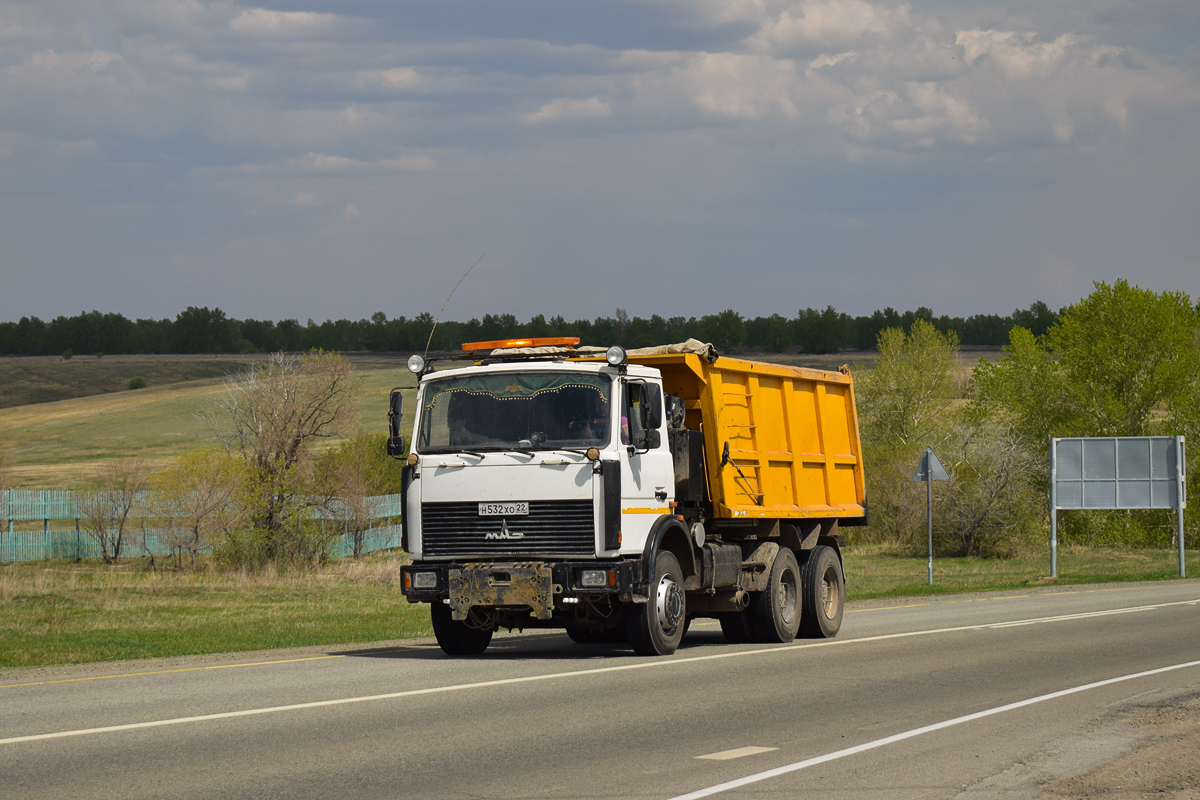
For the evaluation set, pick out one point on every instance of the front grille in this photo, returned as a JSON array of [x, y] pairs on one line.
[[552, 528]]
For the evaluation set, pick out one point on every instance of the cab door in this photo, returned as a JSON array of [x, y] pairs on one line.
[[647, 470]]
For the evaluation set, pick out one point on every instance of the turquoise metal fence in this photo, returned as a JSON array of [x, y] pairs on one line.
[[26, 505]]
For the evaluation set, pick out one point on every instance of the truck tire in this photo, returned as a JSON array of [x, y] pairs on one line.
[[736, 626], [824, 594], [456, 638], [775, 613], [655, 627]]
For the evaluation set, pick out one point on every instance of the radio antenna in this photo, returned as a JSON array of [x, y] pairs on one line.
[[452, 291]]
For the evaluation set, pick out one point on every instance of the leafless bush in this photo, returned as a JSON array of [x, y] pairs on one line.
[[269, 416], [107, 509]]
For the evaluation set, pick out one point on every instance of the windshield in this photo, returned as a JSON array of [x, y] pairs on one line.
[[515, 411]]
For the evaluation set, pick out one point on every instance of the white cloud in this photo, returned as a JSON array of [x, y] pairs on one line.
[[234, 83], [265, 22], [568, 108], [398, 79], [833, 23], [939, 112], [350, 212], [79, 72], [317, 162], [833, 61], [304, 200], [1020, 55], [743, 86]]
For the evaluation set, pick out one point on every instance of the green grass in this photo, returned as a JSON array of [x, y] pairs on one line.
[[875, 571], [65, 613]]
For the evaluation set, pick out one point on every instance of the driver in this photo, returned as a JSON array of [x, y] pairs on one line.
[[592, 422]]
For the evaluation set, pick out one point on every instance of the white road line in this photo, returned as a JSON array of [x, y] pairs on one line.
[[1065, 617], [741, 752], [937, 726], [656, 664]]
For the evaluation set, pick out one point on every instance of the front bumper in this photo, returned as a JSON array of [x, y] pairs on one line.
[[539, 585]]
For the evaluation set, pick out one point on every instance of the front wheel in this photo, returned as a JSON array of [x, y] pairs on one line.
[[824, 589], [456, 637], [656, 627]]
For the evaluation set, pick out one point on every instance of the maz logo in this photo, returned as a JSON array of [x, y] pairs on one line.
[[505, 533]]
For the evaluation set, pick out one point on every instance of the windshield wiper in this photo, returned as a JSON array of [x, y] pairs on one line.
[[472, 453]]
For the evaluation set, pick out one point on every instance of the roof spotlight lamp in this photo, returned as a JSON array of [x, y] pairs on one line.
[[416, 364], [615, 356]]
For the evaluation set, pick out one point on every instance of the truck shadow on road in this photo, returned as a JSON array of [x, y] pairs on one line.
[[538, 646]]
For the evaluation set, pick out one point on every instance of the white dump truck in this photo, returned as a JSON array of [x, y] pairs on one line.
[[617, 495]]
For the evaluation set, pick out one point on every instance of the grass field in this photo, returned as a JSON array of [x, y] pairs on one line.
[[42, 379], [65, 613], [62, 444]]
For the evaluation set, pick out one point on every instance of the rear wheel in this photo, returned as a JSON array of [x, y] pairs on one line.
[[736, 626], [824, 593], [656, 627], [775, 613], [458, 637]]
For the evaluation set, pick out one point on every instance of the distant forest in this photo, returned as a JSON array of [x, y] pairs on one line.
[[204, 330]]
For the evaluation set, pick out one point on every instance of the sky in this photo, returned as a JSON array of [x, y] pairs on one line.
[[329, 160]]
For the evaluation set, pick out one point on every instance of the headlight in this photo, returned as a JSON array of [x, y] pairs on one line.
[[592, 578], [425, 580], [416, 363], [615, 355]]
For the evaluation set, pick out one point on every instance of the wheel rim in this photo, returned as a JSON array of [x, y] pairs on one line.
[[829, 592], [668, 604], [787, 597]]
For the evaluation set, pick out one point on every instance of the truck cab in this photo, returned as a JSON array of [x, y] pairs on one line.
[[552, 487]]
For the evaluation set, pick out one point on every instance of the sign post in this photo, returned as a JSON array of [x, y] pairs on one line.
[[930, 469], [1117, 472]]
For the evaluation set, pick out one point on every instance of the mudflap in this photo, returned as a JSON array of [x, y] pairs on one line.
[[491, 585]]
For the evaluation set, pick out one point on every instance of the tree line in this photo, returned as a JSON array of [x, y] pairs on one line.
[[211, 331]]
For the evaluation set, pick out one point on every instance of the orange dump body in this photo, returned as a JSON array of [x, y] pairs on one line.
[[780, 442]]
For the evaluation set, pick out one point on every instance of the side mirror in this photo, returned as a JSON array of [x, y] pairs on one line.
[[652, 415], [648, 440], [395, 443], [652, 406]]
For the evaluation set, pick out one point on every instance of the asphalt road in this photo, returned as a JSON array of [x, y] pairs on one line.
[[877, 712]]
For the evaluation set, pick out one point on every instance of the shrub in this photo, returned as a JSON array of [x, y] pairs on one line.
[[137, 383], [68, 354]]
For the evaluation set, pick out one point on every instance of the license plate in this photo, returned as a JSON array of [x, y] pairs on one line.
[[503, 509]]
